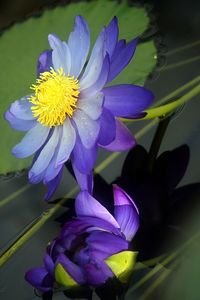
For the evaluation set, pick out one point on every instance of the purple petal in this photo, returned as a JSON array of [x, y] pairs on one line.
[[49, 264], [85, 181], [67, 142], [21, 109], [46, 154], [86, 205], [94, 66], [82, 158], [97, 273], [123, 140], [121, 57], [40, 279], [126, 213], [19, 124], [112, 32], [108, 128], [106, 244], [88, 129], [61, 57], [32, 141], [92, 106], [52, 185], [79, 44], [72, 269], [44, 62], [127, 100], [100, 82]]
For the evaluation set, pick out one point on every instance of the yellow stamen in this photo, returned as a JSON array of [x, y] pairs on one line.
[[55, 97]]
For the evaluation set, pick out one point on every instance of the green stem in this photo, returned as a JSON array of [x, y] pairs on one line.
[[163, 110], [157, 140], [182, 48], [179, 64]]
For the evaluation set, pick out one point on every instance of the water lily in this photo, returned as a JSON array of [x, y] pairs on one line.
[[91, 248], [72, 110]]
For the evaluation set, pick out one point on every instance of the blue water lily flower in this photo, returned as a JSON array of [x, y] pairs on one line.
[[91, 248], [70, 112]]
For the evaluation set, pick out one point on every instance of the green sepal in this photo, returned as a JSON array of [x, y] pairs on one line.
[[63, 277], [122, 264]]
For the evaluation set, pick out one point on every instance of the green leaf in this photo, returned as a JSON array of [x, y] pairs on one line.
[[122, 264], [23, 42], [63, 278]]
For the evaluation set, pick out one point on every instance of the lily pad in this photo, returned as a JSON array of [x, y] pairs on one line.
[[23, 42]]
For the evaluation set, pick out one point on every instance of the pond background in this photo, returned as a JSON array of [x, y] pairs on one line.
[[178, 25]]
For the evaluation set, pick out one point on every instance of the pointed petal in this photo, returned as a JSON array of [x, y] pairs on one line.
[[21, 109], [40, 279], [127, 100], [94, 66], [67, 142], [112, 33], [126, 213], [46, 154], [100, 82], [121, 58], [44, 62], [86, 205], [92, 106], [85, 181], [83, 158], [108, 128], [79, 45], [52, 185], [73, 270], [19, 124], [32, 141], [123, 140], [106, 243], [61, 57], [88, 129], [49, 264], [97, 273]]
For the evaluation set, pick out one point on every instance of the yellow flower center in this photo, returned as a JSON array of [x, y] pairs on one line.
[[55, 97]]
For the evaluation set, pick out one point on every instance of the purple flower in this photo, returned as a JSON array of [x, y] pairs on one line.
[[91, 247], [70, 111]]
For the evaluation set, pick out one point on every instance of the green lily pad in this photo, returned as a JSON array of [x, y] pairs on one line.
[[23, 42]]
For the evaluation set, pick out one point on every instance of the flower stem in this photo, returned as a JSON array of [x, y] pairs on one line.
[[157, 140]]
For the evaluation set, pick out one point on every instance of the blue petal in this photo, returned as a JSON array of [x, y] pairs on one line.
[[46, 154], [123, 141], [44, 62], [84, 158], [87, 206], [32, 141], [106, 244], [121, 57], [40, 279], [79, 45], [126, 213], [127, 100], [19, 124], [112, 32], [94, 66], [88, 129], [108, 128], [67, 142], [21, 109], [74, 271], [52, 185], [97, 273], [92, 106], [85, 181], [61, 57], [100, 82]]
